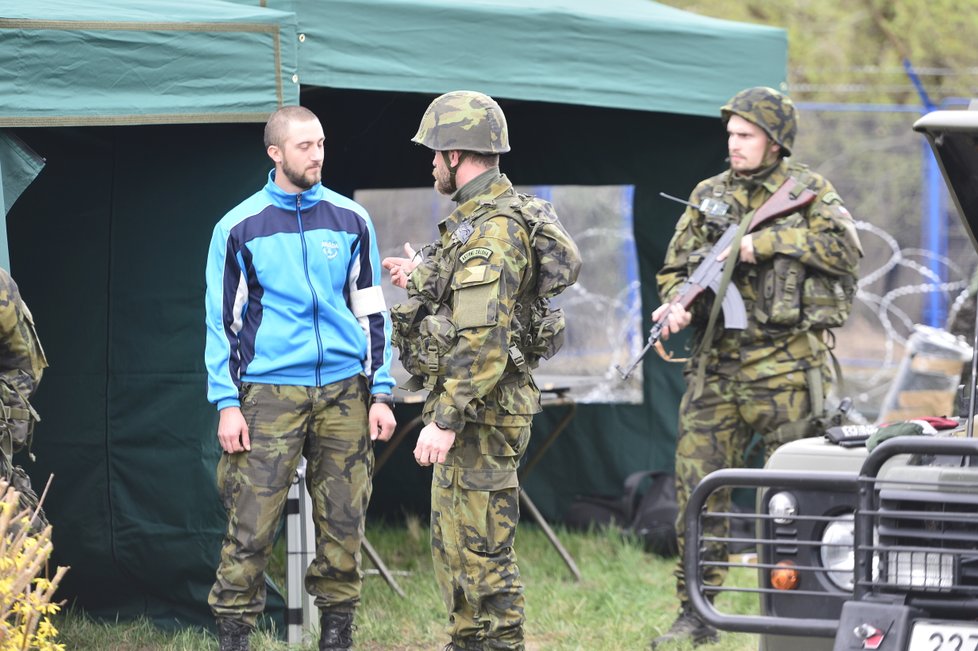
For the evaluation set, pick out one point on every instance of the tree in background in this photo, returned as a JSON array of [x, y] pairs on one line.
[[855, 51]]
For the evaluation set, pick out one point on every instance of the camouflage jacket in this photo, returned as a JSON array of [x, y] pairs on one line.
[[22, 363], [474, 276], [822, 238]]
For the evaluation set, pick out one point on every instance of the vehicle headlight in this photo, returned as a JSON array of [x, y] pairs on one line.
[[837, 552], [783, 507]]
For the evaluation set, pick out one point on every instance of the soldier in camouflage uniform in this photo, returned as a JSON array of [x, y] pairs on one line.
[[298, 360], [796, 275], [22, 363], [471, 295]]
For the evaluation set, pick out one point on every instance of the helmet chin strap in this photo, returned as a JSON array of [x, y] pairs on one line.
[[452, 169]]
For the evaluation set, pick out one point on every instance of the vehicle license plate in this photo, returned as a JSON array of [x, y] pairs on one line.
[[944, 636]]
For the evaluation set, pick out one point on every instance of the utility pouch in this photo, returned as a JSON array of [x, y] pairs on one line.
[[405, 333], [17, 417], [29, 500], [436, 337], [545, 335], [827, 300], [799, 429], [779, 298]]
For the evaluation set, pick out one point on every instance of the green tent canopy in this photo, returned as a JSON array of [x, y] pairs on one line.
[[139, 62], [629, 54], [148, 115]]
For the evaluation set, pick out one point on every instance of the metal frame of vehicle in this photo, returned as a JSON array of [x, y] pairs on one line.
[[912, 509]]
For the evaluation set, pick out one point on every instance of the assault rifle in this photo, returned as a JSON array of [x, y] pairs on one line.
[[791, 196]]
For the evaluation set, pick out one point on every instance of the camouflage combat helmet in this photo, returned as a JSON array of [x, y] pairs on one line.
[[464, 120], [768, 109]]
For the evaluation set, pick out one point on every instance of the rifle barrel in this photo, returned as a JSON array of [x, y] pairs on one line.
[[678, 200]]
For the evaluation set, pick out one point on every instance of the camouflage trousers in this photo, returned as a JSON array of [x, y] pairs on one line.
[[474, 513], [328, 426], [715, 429]]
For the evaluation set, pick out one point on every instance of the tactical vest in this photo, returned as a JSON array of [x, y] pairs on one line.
[[424, 331], [791, 295]]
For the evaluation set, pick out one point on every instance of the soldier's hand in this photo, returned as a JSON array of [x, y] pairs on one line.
[[401, 268], [433, 445], [232, 431], [677, 319], [746, 250], [382, 422]]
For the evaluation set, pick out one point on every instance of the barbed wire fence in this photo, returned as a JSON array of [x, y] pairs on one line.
[[878, 164]]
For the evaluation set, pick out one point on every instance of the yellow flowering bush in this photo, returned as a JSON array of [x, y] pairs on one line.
[[25, 597]]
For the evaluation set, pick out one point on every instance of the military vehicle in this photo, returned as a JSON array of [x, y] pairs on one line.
[[857, 548]]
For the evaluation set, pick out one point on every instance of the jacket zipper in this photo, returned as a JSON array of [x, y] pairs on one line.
[[312, 290]]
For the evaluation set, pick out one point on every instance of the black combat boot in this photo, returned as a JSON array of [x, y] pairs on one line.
[[335, 630], [688, 626], [232, 635]]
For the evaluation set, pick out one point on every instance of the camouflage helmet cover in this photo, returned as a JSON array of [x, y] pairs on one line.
[[464, 120], [768, 109]]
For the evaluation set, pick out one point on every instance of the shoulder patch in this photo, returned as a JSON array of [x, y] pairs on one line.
[[831, 197], [478, 252]]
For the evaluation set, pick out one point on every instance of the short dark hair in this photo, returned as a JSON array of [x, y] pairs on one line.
[[275, 128], [483, 160]]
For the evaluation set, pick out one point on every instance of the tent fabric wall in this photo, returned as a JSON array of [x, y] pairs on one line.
[[112, 269]]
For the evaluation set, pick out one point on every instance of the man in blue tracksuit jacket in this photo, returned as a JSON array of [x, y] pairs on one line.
[[298, 362]]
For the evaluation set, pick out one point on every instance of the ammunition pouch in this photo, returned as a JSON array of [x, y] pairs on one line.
[[422, 340], [29, 502], [437, 337], [404, 330], [827, 300], [541, 338], [798, 429], [779, 297], [788, 296], [17, 419]]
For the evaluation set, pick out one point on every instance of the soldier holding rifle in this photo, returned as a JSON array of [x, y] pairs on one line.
[[795, 275]]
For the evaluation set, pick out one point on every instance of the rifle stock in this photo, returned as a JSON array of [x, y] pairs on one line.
[[788, 198]]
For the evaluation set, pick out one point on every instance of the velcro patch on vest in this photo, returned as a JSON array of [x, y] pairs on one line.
[[472, 275], [478, 252]]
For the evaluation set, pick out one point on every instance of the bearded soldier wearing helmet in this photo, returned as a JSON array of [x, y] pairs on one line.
[[796, 275], [470, 333]]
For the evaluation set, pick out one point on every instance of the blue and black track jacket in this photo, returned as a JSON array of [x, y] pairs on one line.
[[293, 295]]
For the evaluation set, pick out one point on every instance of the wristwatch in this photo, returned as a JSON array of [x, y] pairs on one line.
[[382, 398]]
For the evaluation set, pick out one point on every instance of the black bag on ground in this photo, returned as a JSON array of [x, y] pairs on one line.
[[646, 509]]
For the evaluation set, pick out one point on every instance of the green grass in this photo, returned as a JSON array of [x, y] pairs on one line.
[[625, 598]]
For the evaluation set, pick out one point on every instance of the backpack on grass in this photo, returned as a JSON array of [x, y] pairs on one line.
[[646, 509]]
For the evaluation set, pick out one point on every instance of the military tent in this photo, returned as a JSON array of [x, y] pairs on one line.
[[142, 121]]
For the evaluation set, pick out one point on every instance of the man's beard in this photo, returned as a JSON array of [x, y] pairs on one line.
[[300, 179], [443, 182]]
